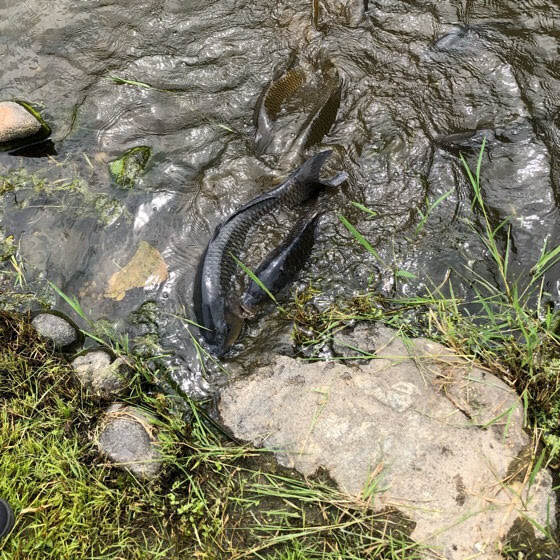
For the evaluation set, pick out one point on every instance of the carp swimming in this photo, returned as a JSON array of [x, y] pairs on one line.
[[282, 264], [216, 310]]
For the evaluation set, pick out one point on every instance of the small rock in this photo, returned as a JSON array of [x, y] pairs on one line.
[[97, 372], [127, 439], [55, 328], [360, 341], [126, 169], [17, 122]]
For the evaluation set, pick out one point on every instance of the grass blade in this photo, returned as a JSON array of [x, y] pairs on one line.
[[364, 208], [360, 238], [255, 278], [124, 81]]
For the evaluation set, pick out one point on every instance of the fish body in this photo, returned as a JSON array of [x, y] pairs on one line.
[[322, 118], [270, 103], [315, 126], [282, 264], [468, 142], [216, 312]]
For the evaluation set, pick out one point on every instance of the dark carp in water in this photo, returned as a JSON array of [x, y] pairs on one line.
[[321, 120], [271, 101], [215, 311], [282, 264]]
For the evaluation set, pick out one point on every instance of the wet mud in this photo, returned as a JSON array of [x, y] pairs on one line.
[[400, 88]]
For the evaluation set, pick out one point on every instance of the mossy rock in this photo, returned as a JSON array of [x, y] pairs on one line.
[[126, 169], [8, 246], [21, 125]]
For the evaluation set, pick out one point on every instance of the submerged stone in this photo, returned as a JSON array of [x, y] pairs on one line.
[[146, 269], [126, 169], [127, 438], [20, 122], [7, 246], [435, 436], [97, 371], [59, 331]]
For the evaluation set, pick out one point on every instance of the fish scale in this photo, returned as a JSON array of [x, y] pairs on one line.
[[281, 90], [270, 103], [234, 243]]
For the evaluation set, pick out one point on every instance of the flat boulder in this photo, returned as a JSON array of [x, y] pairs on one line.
[[439, 438]]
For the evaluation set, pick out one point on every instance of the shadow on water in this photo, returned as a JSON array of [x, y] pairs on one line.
[[420, 83], [40, 150]]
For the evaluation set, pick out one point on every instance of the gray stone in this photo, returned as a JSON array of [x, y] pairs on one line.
[[56, 329], [97, 372], [16, 122], [361, 340], [127, 438], [440, 438]]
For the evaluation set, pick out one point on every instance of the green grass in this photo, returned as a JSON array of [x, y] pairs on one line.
[[68, 502], [214, 498]]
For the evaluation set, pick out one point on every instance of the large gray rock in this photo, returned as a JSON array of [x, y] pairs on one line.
[[56, 329], [443, 439], [127, 438], [102, 375], [16, 122]]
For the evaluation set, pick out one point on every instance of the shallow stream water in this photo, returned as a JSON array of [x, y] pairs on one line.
[[422, 82]]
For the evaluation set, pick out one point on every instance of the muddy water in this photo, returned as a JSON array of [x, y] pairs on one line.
[[421, 83]]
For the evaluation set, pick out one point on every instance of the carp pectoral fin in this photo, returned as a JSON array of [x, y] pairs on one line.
[[335, 181]]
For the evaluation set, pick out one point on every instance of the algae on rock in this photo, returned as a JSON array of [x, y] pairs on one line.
[[7, 246], [126, 169], [106, 209]]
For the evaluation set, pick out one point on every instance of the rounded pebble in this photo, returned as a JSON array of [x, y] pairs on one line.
[[16, 122], [56, 329], [125, 440], [96, 371]]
